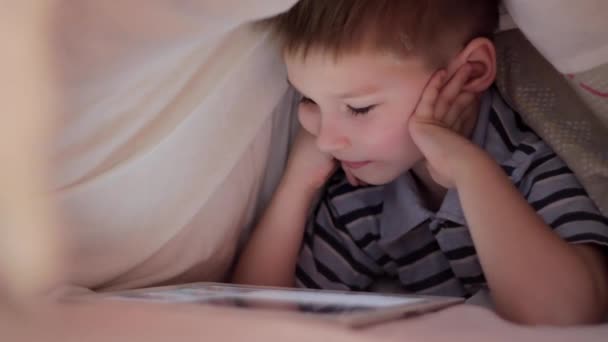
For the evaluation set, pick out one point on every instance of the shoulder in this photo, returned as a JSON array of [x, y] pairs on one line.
[[543, 178], [541, 175], [511, 142], [508, 131]]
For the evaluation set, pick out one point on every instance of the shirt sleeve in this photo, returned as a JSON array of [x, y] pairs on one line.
[[555, 193]]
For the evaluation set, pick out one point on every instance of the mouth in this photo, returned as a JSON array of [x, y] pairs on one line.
[[354, 165]]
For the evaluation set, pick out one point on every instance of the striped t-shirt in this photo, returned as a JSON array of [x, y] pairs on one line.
[[359, 236]]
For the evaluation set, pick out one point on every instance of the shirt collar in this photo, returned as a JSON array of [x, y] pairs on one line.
[[403, 207]]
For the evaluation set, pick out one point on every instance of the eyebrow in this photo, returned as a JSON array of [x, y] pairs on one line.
[[358, 92], [347, 95]]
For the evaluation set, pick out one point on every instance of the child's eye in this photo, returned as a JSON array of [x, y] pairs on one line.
[[360, 111]]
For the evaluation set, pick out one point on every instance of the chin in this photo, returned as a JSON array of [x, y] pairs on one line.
[[380, 173], [378, 179]]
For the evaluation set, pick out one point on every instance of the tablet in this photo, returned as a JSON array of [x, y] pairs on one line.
[[349, 308]]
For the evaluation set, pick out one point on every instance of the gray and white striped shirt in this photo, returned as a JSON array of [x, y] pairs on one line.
[[360, 235]]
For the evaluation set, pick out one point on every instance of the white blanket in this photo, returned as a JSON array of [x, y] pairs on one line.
[[165, 132], [572, 35], [164, 137]]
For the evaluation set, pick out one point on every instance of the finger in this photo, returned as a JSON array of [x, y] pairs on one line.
[[459, 108], [352, 180], [449, 93], [426, 104]]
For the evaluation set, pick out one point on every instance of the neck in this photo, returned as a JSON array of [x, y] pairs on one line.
[[431, 192]]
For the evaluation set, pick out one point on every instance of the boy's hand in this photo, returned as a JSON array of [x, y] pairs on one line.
[[308, 168], [442, 122]]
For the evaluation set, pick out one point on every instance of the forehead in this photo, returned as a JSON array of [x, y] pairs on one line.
[[317, 71]]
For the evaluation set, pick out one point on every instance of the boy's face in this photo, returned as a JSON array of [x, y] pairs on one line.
[[358, 107]]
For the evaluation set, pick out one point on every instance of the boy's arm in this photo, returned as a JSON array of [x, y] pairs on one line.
[[270, 256], [534, 275]]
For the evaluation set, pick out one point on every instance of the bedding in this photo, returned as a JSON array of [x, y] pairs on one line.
[[557, 77], [164, 135], [549, 103]]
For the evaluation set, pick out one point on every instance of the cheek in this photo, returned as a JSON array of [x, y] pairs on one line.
[[389, 137], [309, 121], [392, 140]]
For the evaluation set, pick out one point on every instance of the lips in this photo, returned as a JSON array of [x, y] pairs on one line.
[[355, 165]]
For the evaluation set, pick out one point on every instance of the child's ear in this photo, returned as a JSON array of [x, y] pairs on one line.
[[480, 53]]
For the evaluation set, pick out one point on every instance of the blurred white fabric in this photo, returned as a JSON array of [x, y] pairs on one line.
[[572, 35], [164, 135]]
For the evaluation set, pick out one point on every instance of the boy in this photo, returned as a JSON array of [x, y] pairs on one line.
[[396, 93]]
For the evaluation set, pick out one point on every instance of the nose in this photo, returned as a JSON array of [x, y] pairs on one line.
[[330, 138]]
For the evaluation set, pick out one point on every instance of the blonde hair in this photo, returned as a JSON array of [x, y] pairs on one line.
[[432, 29]]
